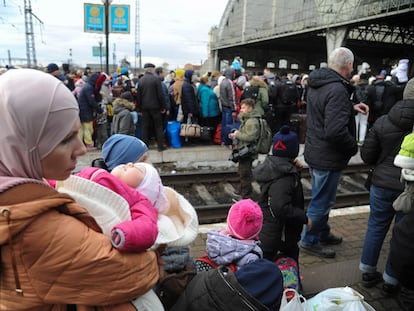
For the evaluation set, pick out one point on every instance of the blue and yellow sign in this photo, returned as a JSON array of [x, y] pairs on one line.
[[119, 18], [94, 18], [97, 50]]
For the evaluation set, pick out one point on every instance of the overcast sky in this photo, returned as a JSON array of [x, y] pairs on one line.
[[171, 31]]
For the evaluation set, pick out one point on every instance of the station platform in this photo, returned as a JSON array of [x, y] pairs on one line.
[[195, 157], [318, 273]]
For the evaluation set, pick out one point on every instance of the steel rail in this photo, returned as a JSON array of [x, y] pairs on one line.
[[211, 213]]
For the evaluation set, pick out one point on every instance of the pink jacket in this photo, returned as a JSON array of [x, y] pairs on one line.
[[141, 231]]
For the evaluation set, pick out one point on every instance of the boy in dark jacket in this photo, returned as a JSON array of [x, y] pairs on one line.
[[281, 198]]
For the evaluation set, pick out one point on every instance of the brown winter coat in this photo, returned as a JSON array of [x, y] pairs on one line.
[[61, 258]]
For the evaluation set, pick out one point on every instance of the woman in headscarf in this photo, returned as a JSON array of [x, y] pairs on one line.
[[52, 251]]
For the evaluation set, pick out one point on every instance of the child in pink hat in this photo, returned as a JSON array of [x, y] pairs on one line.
[[238, 244]]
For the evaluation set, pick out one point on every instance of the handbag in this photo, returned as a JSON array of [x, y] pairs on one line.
[[190, 129], [171, 286], [207, 133]]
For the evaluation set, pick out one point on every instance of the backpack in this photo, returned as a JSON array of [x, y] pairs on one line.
[[361, 93], [289, 92], [290, 272], [251, 91], [265, 137], [272, 92]]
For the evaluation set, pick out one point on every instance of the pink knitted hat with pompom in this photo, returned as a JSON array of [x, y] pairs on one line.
[[244, 220]]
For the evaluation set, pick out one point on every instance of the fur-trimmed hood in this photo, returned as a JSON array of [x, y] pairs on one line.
[[121, 102], [257, 82]]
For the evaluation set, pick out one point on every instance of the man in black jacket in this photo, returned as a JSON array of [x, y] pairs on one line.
[[151, 101], [330, 143]]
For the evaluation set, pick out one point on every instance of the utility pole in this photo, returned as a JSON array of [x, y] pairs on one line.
[[30, 42], [137, 36]]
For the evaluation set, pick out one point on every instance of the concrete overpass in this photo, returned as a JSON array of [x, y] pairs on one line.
[[297, 35]]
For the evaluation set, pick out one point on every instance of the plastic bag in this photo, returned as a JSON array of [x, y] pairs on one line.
[[338, 299], [173, 133], [292, 301]]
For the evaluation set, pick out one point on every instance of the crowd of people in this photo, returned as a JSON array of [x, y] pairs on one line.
[[109, 237]]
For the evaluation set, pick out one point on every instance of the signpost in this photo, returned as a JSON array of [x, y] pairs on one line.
[[104, 19]]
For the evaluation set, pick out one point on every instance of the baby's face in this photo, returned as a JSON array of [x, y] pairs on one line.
[[130, 174]]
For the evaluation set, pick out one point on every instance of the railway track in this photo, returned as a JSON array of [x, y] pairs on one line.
[[210, 192]]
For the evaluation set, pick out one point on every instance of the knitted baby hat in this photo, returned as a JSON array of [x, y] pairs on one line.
[[244, 220], [285, 143], [151, 186], [405, 158], [122, 149]]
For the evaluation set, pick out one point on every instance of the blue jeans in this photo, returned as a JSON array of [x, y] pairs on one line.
[[324, 186], [380, 218]]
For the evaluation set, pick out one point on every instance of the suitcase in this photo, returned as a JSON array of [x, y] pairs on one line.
[[298, 125]]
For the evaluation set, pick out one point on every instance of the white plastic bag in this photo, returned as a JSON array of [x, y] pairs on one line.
[[296, 302], [338, 299], [180, 115]]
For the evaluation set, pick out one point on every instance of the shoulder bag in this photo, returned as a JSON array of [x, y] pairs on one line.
[[190, 129]]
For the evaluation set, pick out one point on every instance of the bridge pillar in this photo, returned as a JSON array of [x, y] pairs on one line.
[[335, 37]]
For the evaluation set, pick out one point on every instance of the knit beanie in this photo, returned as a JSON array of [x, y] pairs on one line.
[[285, 143], [128, 96], [405, 158], [263, 280], [409, 90], [244, 220], [124, 71], [241, 81], [52, 67], [179, 73], [122, 149]]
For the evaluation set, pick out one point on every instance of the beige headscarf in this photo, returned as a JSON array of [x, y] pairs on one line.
[[37, 111]]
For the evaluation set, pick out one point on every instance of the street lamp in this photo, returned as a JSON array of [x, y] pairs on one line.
[[100, 52]]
